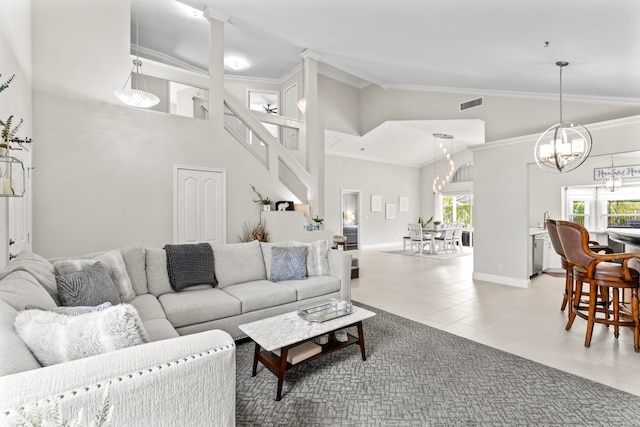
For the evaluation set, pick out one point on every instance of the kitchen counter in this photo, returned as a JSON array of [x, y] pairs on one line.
[[628, 236], [534, 231]]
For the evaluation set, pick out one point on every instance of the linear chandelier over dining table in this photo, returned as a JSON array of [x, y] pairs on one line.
[[443, 165]]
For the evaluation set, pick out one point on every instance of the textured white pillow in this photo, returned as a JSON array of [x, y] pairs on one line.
[[55, 338], [112, 262], [317, 257]]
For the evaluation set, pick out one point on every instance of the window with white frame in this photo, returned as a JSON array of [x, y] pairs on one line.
[[579, 205], [597, 209]]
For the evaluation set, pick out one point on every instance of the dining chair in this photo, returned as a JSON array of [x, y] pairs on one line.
[[446, 239], [457, 235], [606, 280], [417, 237]]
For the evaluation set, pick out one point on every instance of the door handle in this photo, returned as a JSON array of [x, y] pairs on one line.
[[11, 242], [12, 256]]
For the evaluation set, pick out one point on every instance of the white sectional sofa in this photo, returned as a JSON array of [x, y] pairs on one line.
[[185, 374]]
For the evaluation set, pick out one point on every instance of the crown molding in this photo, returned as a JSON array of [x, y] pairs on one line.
[[516, 94], [154, 55], [534, 136]]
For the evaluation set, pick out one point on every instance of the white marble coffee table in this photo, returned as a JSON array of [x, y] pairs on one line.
[[289, 330]]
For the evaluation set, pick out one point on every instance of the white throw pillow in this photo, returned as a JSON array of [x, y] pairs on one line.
[[318, 258], [55, 338], [112, 262]]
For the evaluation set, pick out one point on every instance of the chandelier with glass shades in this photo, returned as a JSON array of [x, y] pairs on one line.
[[564, 146], [612, 182], [444, 167], [136, 97]]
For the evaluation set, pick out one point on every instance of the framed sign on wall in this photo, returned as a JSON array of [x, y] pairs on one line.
[[376, 203]]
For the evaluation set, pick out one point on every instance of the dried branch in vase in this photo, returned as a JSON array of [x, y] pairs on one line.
[[253, 232], [260, 199]]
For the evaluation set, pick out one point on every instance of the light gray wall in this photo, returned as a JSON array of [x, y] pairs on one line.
[[15, 58], [339, 106], [104, 171], [511, 195], [545, 188], [504, 116], [388, 181]]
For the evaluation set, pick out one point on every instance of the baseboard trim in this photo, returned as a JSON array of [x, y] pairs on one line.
[[502, 280]]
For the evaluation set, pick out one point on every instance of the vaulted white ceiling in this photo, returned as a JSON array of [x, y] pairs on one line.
[[463, 45]]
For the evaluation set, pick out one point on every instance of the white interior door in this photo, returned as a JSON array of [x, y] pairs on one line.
[[199, 205], [19, 212]]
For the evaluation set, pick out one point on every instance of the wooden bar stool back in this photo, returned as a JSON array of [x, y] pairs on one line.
[[557, 246], [603, 277], [566, 265]]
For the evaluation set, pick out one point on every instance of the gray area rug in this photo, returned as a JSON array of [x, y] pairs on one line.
[[416, 375]]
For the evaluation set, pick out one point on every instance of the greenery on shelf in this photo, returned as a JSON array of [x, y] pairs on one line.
[[8, 132], [6, 84], [262, 200]]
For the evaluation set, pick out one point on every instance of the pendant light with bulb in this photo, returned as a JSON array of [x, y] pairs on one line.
[[564, 146], [612, 182], [443, 168], [136, 97]]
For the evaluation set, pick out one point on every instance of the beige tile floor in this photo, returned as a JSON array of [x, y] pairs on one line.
[[525, 322]]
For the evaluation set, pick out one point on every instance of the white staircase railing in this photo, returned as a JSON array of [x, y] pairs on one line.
[[284, 156]]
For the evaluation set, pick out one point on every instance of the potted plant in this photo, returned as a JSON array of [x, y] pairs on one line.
[[318, 222], [422, 222], [266, 204], [437, 223], [264, 201]]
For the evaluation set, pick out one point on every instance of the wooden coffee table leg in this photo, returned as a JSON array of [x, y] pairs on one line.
[[281, 370], [361, 340], [255, 360]]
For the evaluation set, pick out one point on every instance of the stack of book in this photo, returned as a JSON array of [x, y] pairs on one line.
[[301, 352]]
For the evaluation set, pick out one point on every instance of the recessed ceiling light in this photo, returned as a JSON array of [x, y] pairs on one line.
[[236, 63]]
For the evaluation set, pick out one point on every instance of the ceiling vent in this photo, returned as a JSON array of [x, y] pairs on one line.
[[478, 102]]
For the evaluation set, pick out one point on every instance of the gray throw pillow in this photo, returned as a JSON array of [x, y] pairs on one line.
[[112, 261], [288, 263], [92, 286]]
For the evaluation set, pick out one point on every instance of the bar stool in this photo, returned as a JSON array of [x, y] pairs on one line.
[[604, 278], [566, 265]]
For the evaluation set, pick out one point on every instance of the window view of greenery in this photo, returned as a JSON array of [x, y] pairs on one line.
[[577, 212], [458, 209], [619, 212]]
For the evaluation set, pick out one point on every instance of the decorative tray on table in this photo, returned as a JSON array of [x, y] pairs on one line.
[[325, 310]]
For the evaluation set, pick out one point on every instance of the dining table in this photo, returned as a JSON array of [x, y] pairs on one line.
[[431, 233]]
